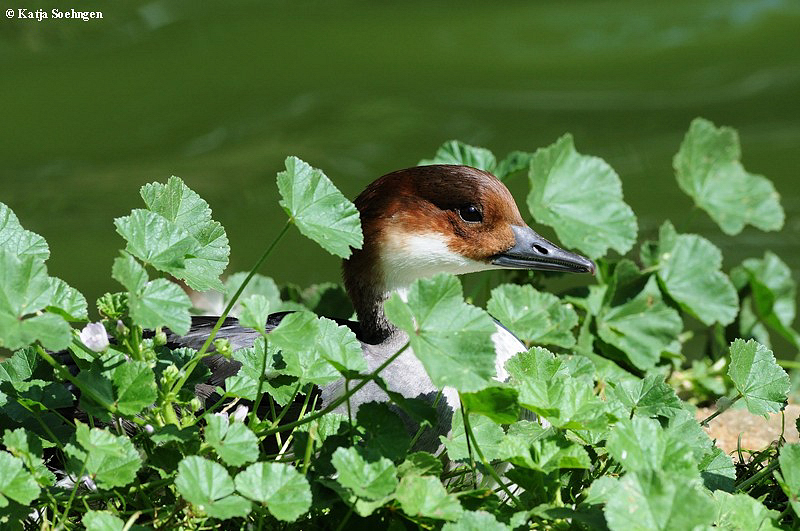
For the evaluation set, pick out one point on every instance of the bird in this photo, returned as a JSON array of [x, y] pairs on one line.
[[416, 222]]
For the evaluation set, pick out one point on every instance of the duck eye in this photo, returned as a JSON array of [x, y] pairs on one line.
[[470, 214]]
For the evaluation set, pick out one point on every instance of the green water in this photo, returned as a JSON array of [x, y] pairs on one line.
[[89, 111]]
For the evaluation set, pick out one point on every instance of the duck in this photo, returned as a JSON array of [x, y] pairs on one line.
[[416, 222]]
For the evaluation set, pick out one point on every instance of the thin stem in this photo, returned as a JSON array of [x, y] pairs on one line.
[[489, 468], [187, 372], [719, 411], [758, 476], [336, 403], [63, 518], [468, 429]]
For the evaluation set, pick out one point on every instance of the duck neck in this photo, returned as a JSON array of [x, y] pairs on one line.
[[368, 290]]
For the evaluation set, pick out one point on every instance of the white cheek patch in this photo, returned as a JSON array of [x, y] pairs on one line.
[[407, 256]]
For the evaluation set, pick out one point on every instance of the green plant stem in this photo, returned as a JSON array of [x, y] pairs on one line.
[[260, 389], [719, 412], [758, 476], [85, 389], [468, 429], [336, 403], [63, 518], [489, 467], [187, 370]]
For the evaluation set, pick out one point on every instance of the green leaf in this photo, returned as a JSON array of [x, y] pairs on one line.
[[640, 444], [547, 388], [339, 345], [717, 470], [759, 379], [774, 292], [488, 435], [789, 459], [384, 432], [20, 365], [319, 209], [16, 482], [18, 241], [26, 289], [533, 315], [648, 397], [456, 152], [476, 521], [370, 480], [529, 445], [67, 301], [581, 198], [128, 272], [740, 512], [708, 170], [161, 303], [283, 489], [188, 211], [111, 460], [28, 447], [451, 338], [292, 336], [134, 386], [514, 162], [209, 487], [426, 496], [498, 403], [102, 521], [420, 464], [155, 240], [651, 500], [689, 268], [642, 328], [254, 313], [258, 363], [233, 442]]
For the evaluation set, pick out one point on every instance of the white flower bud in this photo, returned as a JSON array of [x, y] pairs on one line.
[[240, 413], [94, 336]]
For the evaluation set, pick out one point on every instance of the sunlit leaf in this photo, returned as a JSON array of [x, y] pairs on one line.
[[641, 444], [648, 397], [529, 445], [18, 241], [488, 436], [757, 376], [319, 209], [651, 500], [134, 386], [420, 464], [339, 345], [456, 152], [67, 301], [642, 328], [740, 512], [26, 289], [185, 209], [497, 402], [370, 480], [155, 240], [257, 362], [718, 471], [111, 460], [161, 303], [233, 442], [476, 521], [581, 198], [426, 496], [28, 447], [209, 487], [789, 478], [102, 521], [532, 315], [254, 312], [16, 482], [283, 489], [295, 337], [689, 268], [708, 169], [451, 338]]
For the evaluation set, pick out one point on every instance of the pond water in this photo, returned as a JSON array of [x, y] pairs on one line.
[[220, 96]]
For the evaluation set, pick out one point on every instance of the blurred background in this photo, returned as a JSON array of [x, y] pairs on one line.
[[219, 93]]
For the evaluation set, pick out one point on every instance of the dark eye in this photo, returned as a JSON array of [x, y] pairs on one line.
[[470, 213]]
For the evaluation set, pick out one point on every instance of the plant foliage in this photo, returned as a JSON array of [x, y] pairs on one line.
[[587, 432]]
